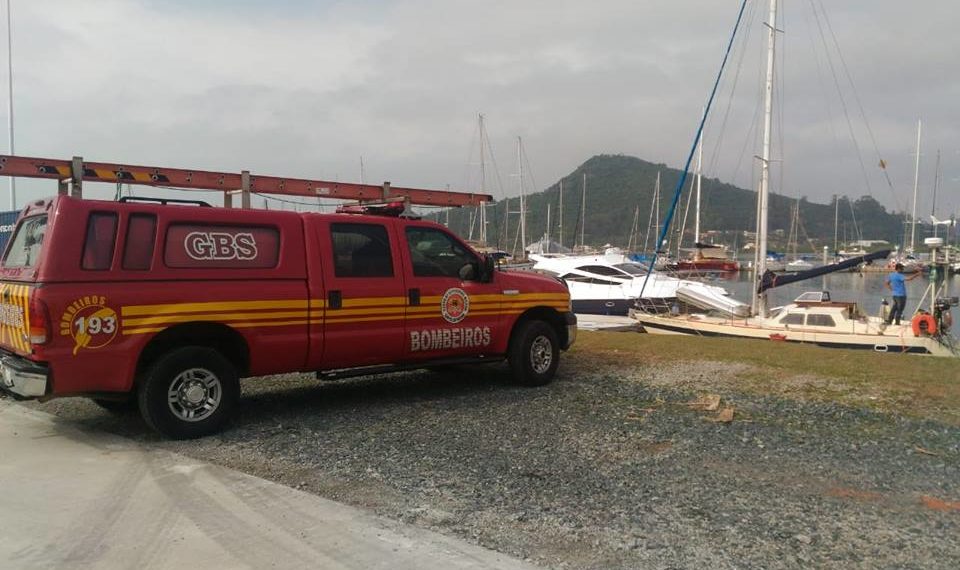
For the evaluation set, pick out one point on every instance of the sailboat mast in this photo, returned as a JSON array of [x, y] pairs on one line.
[[483, 184], [560, 230], [916, 185], [836, 222], [937, 174], [696, 219], [583, 211], [546, 232], [760, 304], [656, 191], [523, 210], [653, 203]]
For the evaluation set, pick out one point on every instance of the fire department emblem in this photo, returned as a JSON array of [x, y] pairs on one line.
[[454, 305], [90, 322]]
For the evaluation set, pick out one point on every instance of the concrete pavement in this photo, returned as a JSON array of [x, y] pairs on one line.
[[73, 499]]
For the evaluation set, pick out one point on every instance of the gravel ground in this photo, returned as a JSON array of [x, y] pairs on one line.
[[605, 468]]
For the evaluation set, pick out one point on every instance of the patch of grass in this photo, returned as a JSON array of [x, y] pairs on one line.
[[919, 386]]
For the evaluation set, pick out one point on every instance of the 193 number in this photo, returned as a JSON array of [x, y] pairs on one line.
[[95, 325]]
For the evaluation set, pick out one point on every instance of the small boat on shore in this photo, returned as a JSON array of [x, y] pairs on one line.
[[815, 318]]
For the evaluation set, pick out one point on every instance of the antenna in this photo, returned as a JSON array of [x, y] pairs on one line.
[[13, 181]]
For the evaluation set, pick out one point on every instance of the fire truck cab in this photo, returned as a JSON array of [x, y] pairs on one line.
[[165, 306]]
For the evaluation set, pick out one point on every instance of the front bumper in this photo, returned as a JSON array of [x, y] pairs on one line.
[[23, 378], [571, 320]]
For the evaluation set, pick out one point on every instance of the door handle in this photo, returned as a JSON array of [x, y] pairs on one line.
[[414, 297], [334, 300]]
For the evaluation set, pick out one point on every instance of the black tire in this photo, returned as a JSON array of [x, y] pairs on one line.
[[534, 353], [205, 390], [123, 406]]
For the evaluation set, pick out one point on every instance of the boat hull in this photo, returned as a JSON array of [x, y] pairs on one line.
[[602, 306], [895, 339], [724, 265]]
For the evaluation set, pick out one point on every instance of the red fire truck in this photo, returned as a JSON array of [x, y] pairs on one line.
[[165, 305]]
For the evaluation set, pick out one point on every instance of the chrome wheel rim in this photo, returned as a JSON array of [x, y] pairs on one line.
[[194, 394], [541, 354]]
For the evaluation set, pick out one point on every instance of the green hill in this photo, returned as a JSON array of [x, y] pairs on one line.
[[618, 184]]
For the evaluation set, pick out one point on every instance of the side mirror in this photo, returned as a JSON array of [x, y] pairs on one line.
[[487, 267]]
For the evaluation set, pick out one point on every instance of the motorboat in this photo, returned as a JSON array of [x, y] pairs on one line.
[[798, 265], [611, 283], [707, 258]]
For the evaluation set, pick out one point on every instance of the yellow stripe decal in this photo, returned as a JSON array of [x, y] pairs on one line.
[[175, 308], [235, 325], [336, 313], [373, 301], [225, 317], [330, 321], [155, 318]]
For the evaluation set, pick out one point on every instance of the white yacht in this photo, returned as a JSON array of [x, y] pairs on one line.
[[814, 318], [610, 284]]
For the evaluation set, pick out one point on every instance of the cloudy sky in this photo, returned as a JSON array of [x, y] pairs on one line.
[[302, 88]]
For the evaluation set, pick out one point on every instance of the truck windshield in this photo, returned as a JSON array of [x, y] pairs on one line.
[[27, 243]]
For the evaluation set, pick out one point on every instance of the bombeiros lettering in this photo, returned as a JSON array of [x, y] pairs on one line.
[[446, 339], [220, 246], [90, 322]]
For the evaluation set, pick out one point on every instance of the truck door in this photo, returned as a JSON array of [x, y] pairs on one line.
[[450, 313], [364, 298]]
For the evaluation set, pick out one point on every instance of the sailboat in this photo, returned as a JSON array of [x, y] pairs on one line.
[[908, 257], [813, 317], [797, 263], [707, 257]]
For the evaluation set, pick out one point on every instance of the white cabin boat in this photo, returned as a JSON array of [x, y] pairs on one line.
[[814, 318]]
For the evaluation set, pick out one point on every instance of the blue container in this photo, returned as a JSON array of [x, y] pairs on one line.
[[8, 221]]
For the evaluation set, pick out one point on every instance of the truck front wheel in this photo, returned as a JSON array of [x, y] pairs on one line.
[[189, 392], [534, 353]]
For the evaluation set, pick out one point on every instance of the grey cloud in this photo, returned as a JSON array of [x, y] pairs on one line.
[[307, 91]]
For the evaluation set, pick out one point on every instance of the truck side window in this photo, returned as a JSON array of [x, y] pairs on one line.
[[436, 254], [101, 239], [138, 246], [361, 250]]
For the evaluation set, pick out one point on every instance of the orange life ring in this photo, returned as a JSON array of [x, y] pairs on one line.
[[924, 325]]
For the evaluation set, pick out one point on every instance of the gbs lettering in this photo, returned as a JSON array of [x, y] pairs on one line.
[[220, 246]]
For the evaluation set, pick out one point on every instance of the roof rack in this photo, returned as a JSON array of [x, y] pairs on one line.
[[394, 209], [164, 201], [71, 175]]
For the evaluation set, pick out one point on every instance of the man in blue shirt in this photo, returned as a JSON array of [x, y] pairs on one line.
[[896, 283]]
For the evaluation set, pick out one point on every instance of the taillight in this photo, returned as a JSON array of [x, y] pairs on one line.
[[39, 325]]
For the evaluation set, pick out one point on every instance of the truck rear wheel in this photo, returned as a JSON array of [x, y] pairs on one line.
[[534, 353], [189, 392]]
